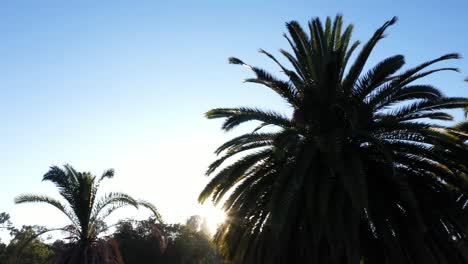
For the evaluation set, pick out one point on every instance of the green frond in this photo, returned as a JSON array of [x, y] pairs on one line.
[[59, 177], [413, 92], [108, 174], [230, 175], [397, 81], [376, 76], [349, 52], [255, 145], [328, 31], [284, 89], [112, 199], [152, 208], [430, 115], [357, 67], [34, 198], [293, 76], [245, 139], [300, 72], [250, 186], [233, 60], [411, 74], [237, 116], [335, 38], [430, 105], [462, 126], [300, 40]]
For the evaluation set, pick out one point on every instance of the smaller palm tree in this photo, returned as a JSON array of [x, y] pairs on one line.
[[86, 213]]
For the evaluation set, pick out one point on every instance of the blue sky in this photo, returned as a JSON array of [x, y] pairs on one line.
[[124, 84]]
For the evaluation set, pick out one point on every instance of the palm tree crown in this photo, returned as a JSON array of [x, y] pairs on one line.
[[359, 173], [85, 211]]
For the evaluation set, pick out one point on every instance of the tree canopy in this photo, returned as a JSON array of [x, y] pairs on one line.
[[365, 169], [25, 247], [140, 242]]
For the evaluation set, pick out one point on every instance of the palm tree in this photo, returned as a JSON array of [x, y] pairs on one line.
[[86, 213], [358, 174]]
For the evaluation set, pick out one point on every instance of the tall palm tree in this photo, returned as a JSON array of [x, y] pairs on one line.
[[358, 174], [86, 213]]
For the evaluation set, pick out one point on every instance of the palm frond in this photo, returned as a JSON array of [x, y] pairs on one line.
[[112, 199], [357, 67], [237, 116], [377, 76], [34, 198], [231, 175], [152, 208], [108, 174]]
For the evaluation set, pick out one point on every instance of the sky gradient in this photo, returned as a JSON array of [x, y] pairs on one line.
[[124, 85]]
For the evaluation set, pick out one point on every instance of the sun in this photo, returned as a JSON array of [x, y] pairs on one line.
[[214, 216]]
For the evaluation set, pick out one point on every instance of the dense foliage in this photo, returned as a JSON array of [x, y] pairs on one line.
[[360, 173], [25, 247], [140, 243]]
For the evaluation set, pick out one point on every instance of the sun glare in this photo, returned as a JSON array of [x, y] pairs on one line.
[[214, 217]]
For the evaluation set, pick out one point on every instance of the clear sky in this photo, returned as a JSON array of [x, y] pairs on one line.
[[124, 84]]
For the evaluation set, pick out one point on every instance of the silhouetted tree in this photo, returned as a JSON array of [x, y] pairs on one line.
[[140, 242], [86, 213], [358, 174], [5, 222]]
